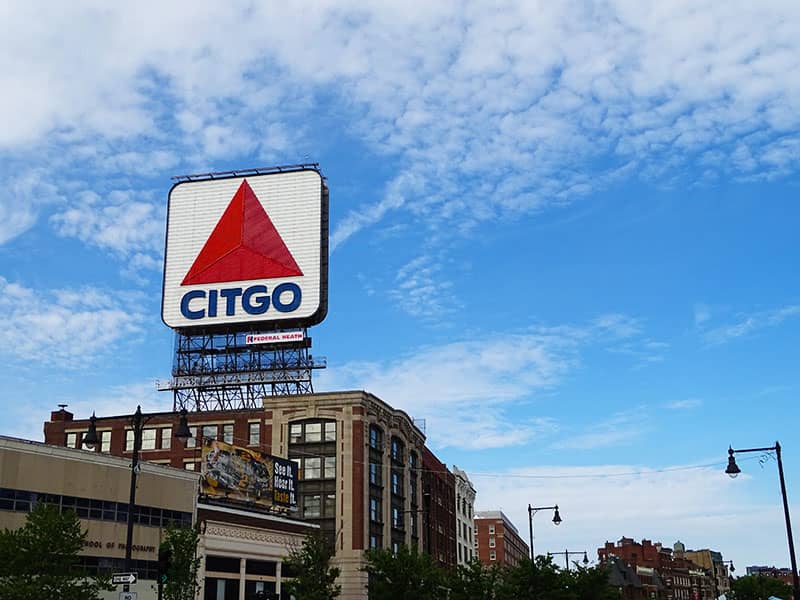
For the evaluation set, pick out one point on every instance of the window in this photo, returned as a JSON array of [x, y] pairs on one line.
[[227, 433], [295, 433], [491, 543], [148, 439], [459, 552], [192, 441], [72, 440], [375, 437], [311, 506], [166, 438], [397, 518], [375, 474], [189, 466], [313, 432], [105, 441], [330, 505], [330, 432], [373, 541], [492, 555], [491, 528], [375, 510], [395, 548], [313, 468], [397, 450], [129, 440], [254, 436], [397, 484], [210, 432], [330, 467]]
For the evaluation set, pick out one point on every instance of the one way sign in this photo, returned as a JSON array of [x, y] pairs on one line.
[[123, 578]]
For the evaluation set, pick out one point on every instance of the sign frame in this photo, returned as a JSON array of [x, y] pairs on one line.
[[272, 319]]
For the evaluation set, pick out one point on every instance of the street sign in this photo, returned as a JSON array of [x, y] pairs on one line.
[[123, 578], [127, 596]]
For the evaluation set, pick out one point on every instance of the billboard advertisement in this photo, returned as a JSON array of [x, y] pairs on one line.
[[247, 253], [246, 475]]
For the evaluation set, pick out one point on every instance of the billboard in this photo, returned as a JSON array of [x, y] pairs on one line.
[[247, 253], [246, 475]]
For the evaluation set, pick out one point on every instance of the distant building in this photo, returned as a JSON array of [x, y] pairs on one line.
[[785, 575], [465, 503], [659, 571], [710, 561], [498, 540]]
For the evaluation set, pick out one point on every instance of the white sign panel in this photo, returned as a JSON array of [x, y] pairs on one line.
[[246, 250], [279, 337]]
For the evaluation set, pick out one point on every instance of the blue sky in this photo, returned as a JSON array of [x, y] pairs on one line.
[[565, 234]]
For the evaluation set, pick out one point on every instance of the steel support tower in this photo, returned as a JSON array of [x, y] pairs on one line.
[[222, 371]]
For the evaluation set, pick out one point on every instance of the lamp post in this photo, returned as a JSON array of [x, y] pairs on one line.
[[138, 421], [567, 554], [733, 470], [532, 510]]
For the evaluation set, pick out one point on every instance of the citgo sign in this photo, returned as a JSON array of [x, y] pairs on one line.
[[249, 251]]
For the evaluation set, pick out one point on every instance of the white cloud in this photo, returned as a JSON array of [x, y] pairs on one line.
[[421, 290], [620, 429], [119, 223], [489, 110], [70, 327], [686, 404], [701, 507], [463, 389], [748, 324]]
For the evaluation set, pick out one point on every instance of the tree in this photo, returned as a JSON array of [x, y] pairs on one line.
[[40, 560], [181, 577], [407, 575], [590, 583], [313, 577], [758, 587], [475, 581]]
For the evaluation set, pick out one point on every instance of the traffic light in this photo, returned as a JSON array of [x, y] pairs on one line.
[[164, 563]]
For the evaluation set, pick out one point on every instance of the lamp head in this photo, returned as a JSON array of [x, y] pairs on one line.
[[183, 432], [732, 567], [585, 559], [732, 469], [556, 517], [90, 438]]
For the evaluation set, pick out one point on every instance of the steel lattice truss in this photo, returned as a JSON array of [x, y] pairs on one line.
[[220, 371]]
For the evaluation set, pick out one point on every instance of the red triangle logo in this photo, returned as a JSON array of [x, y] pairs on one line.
[[244, 245]]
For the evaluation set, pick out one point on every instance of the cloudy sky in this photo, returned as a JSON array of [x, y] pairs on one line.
[[563, 233]]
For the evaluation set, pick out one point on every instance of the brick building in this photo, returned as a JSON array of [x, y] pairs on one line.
[[439, 487], [660, 572], [362, 467], [497, 539]]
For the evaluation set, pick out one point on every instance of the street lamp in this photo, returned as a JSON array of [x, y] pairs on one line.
[[733, 470], [138, 421], [567, 554], [532, 510]]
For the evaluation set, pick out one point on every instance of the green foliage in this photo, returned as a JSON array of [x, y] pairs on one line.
[[314, 578], [408, 575], [40, 560], [182, 572], [545, 582], [752, 587]]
